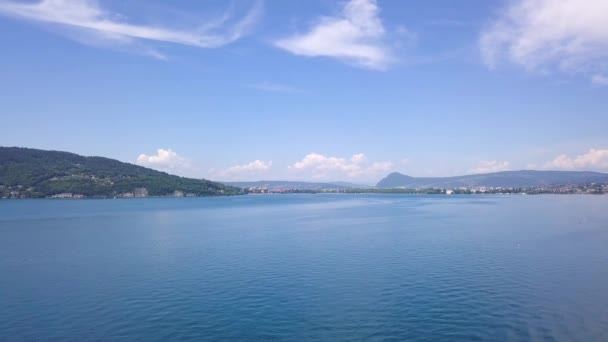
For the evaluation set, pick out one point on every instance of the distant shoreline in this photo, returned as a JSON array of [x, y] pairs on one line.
[[306, 193]]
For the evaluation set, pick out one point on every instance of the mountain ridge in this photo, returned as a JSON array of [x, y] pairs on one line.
[[521, 178]]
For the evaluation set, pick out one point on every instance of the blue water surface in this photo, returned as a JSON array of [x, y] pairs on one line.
[[306, 268]]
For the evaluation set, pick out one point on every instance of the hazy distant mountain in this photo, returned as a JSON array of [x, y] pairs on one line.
[[523, 179], [287, 185], [26, 172]]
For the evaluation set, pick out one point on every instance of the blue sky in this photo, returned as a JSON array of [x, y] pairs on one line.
[[310, 90]]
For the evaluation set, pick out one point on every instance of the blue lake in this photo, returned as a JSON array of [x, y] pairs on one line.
[[306, 268]]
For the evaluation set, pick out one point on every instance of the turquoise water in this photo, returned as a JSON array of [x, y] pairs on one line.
[[306, 268]]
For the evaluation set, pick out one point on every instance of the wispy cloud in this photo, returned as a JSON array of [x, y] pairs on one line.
[[88, 22], [165, 160], [274, 88], [248, 171], [568, 36], [596, 159], [380, 166], [488, 166], [599, 80], [356, 36]]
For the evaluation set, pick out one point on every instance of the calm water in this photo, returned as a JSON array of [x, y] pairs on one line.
[[306, 268]]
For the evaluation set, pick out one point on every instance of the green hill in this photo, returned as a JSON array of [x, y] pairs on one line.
[[32, 173]]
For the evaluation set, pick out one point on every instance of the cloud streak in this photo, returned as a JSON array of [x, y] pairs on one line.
[[93, 23], [568, 36], [488, 166], [356, 36], [248, 171], [256, 165], [599, 80]]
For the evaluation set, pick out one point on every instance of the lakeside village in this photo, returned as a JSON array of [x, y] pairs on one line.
[[18, 192], [590, 189]]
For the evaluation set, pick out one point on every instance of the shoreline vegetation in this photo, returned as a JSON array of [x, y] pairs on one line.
[[596, 189], [33, 173]]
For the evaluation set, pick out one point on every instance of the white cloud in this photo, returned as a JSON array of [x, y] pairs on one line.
[[87, 22], [356, 36], [569, 36], [324, 167], [165, 160], [358, 158], [491, 166], [320, 164], [594, 159]]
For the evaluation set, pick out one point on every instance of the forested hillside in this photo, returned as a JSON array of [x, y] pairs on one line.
[[32, 173]]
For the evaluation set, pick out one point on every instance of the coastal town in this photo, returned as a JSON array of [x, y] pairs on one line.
[[590, 189]]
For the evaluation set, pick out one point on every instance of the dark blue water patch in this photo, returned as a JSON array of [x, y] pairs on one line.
[[306, 267]]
